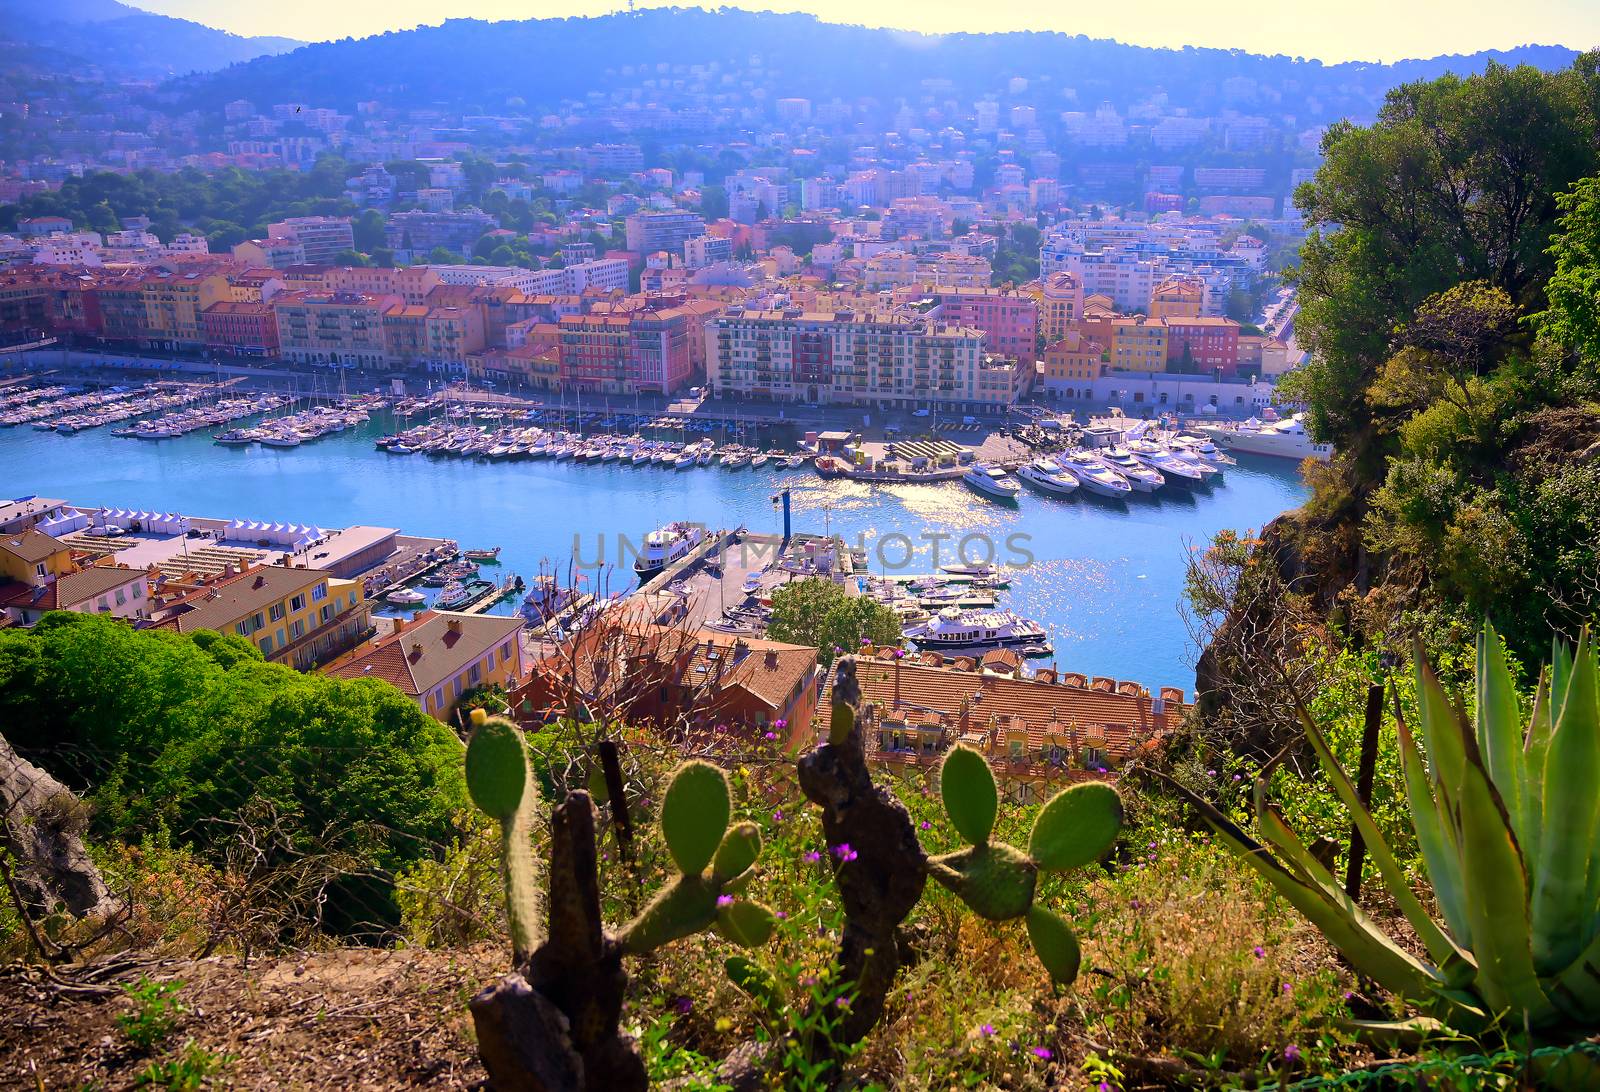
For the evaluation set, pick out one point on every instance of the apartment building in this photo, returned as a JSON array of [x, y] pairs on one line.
[[38, 573], [342, 329], [1009, 318], [438, 656], [1071, 363], [173, 304], [1139, 344], [321, 238], [299, 617], [629, 350], [411, 283], [1060, 305], [232, 328], [905, 358], [1202, 344], [665, 229]]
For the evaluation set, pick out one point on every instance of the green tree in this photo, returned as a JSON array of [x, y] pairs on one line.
[[821, 614]]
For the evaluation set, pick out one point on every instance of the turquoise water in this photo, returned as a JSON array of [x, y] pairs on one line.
[[1105, 580]]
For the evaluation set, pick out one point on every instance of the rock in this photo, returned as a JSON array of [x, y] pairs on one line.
[[43, 831]]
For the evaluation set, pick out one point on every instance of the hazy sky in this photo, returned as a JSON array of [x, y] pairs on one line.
[[1378, 30]]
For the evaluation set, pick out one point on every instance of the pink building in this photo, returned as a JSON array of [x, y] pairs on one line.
[[1009, 319]]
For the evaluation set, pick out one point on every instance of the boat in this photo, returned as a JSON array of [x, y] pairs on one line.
[[795, 462], [405, 597], [1097, 477], [667, 545], [981, 570], [759, 459], [733, 459], [1057, 482], [992, 481], [1175, 468], [1144, 479], [705, 457], [1287, 439], [455, 594], [491, 554], [643, 455], [954, 628], [752, 584], [684, 461]]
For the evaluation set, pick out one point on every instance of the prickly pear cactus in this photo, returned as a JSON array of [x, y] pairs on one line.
[[998, 881], [713, 862], [500, 783]]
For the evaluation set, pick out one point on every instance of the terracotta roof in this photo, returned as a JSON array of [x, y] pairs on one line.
[[31, 546], [69, 590], [218, 606], [428, 651], [769, 670]]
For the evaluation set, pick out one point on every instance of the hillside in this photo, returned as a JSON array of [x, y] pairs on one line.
[[120, 40], [476, 64]]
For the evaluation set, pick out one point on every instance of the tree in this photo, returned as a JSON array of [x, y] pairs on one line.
[[821, 614], [1572, 320], [368, 230]]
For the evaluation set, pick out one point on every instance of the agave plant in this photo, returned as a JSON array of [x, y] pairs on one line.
[[1506, 818]]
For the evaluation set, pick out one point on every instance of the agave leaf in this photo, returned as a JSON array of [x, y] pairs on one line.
[[1435, 837], [1368, 949], [1440, 947], [1499, 730], [1562, 908], [1576, 988], [1492, 870], [1534, 749], [1443, 727]]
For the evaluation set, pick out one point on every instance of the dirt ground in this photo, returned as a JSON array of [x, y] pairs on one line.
[[326, 1020]]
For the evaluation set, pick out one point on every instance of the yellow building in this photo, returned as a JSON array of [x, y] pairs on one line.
[[1138, 344], [344, 328], [1177, 297], [411, 283], [299, 617], [438, 656], [38, 574], [173, 304], [1060, 305], [1071, 363]]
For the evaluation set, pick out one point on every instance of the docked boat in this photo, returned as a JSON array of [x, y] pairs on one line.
[[980, 571], [666, 546], [454, 595], [1144, 479], [733, 459], [758, 460], [1288, 439], [1097, 477], [953, 628], [684, 461], [794, 462], [491, 554], [1174, 467], [992, 481], [405, 597], [1050, 477]]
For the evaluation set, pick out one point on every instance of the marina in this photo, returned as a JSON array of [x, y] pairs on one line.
[[1104, 579]]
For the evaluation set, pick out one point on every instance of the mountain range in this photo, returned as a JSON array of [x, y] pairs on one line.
[[87, 36], [481, 66]]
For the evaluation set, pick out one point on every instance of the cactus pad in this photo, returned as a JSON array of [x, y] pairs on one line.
[[682, 908], [694, 815], [738, 851], [1076, 827], [970, 795], [996, 881], [747, 924], [497, 767], [1055, 944]]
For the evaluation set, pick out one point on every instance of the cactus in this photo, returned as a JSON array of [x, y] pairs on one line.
[[998, 881], [500, 783], [694, 820], [553, 1022]]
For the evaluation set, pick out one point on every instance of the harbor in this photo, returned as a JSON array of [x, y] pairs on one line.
[[1102, 578]]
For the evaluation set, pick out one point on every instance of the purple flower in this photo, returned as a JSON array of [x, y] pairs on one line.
[[1260, 952], [1236, 777], [770, 735], [926, 825], [844, 852], [777, 817], [1042, 1053], [1133, 904], [1286, 987], [866, 641], [1102, 1087], [683, 1004], [843, 1002], [780, 724], [1211, 773], [779, 914], [986, 1031], [724, 900], [1291, 1053], [813, 856]]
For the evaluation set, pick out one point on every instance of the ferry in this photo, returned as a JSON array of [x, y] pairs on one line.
[[992, 481], [666, 545], [1049, 476], [953, 628]]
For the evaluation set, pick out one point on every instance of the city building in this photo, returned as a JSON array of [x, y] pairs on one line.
[[321, 238], [232, 328], [438, 656], [299, 617], [336, 329], [1138, 344], [38, 573], [1009, 318], [665, 229], [1071, 363]]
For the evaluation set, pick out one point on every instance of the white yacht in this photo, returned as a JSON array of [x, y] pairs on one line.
[[1144, 479], [1097, 477], [406, 597], [1288, 439], [1174, 467], [953, 628], [992, 481], [666, 545], [1048, 476]]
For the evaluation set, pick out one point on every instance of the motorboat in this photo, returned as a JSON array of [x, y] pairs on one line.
[[490, 554], [405, 597], [1175, 468], [666, 546], [759, 459], [1097, 477], [684, 461], [954, 628], [1288, 438], [795, 462], [1050, 477], [992, 481], [733, 459], [455, 594]]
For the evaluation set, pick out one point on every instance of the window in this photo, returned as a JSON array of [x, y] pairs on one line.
[[326, 613], [242, 629], [297, 628], [474, 675], [297, 603], [122, 596], [276, 612], [103, 605], [41, 569], [319, 593], [266, 643]]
